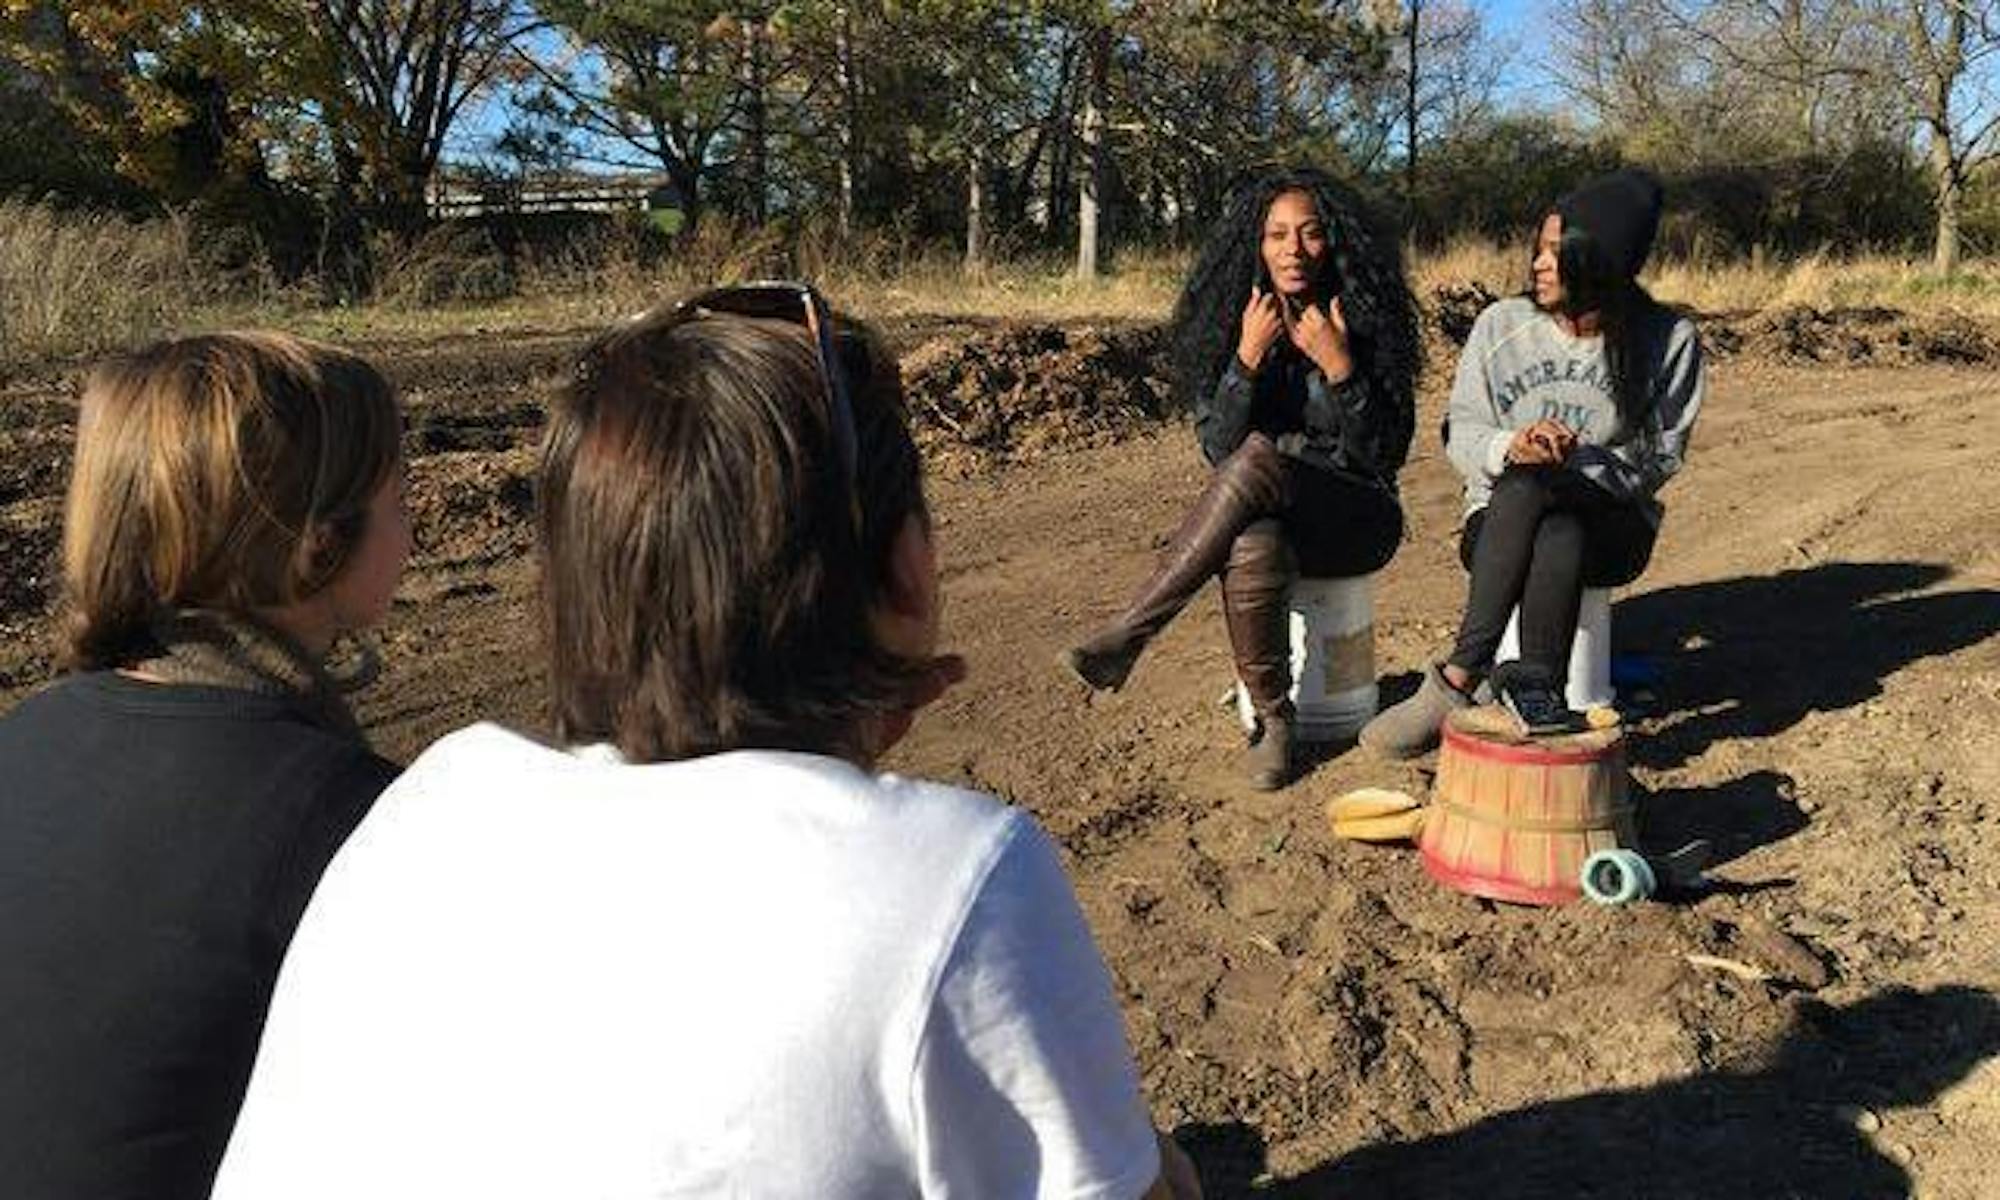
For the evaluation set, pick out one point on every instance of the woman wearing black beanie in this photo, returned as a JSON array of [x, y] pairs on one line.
[[1572, 406]]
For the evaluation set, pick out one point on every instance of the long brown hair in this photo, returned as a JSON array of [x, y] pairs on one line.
[[228, 471], [705, 585]]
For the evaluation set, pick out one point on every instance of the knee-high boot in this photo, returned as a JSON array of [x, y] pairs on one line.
[[1255, 586], [1249, 484]]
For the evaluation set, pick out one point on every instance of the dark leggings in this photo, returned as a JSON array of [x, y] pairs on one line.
[[1544, 537]]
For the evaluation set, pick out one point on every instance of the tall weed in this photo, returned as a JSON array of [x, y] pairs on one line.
[[80, 283], [74, 283]]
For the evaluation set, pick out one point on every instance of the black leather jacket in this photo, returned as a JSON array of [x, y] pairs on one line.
[[1340, 427]]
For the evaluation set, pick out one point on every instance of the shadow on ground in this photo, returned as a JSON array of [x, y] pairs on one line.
[[1788, 1129], [1734, 817], [1751, 657]]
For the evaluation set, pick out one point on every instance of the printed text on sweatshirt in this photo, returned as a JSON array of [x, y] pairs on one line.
[[1519, 366]]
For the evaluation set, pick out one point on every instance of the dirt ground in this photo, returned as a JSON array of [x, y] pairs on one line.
[[1316, 1017]]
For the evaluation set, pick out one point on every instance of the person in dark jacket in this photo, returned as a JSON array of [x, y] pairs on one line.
[[1295, 345], [167, 807]]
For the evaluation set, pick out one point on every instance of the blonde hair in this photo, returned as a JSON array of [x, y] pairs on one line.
[[228, 471]]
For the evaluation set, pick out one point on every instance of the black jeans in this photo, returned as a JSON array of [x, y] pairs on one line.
[[1544, 537]]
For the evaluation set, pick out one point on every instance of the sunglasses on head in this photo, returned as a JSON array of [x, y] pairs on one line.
[[799, 304]]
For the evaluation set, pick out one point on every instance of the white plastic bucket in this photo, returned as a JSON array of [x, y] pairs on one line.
[[1589, 683], [1332, 625]]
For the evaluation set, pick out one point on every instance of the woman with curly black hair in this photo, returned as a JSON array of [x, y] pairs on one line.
[[1295, 345]]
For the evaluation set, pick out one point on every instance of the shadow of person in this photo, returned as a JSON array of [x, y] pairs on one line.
[[1229, 1156], [1734, 817], [1752, 656], [1310, 756], [1786, 1130], [1391, 690]]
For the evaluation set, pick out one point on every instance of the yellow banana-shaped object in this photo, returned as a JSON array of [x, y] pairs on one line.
[[1375, 815], [1396, 827], [1369, 802]]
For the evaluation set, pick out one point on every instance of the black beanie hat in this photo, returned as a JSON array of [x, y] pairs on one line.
[[1621, 213]]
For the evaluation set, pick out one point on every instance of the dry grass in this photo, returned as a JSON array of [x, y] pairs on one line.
[[1819, 280], [875, 274], [878, 274], [75, 284], [82, 283]]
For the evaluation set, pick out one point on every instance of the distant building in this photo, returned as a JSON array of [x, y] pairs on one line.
[[461, 193]]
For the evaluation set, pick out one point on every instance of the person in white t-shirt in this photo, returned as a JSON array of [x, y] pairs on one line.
[[697, 946]]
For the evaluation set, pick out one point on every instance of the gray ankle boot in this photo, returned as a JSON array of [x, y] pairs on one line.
[[1414, 726]]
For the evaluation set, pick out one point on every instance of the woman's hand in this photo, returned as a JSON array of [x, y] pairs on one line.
[[1263, 323], [1322, 337], [1547, 442]]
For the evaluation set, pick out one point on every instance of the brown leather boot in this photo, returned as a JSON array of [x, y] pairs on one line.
[[1268, 762], [1247, 485], [1255, 586]]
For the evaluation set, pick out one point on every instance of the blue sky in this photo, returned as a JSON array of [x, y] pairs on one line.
[[1514, 21], [1507, 14]]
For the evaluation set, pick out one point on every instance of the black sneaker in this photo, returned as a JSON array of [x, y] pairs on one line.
[[1529, 692]]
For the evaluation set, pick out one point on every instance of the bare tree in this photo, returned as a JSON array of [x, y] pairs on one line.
[[650, 84], [847, 83], [1947, 54], [752, 29], [1620, 61], [390, 79], [1449, 70], [1808, 50], [1095, 98]]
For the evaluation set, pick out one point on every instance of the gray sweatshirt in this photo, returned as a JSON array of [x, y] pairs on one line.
[[1519, 366]]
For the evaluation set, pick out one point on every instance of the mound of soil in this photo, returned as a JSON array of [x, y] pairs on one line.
[[472, 507], [1017, 392], [30, 538], [478, 365], [1453, 307], [435, 429], [1802, 334], [1793, 335]]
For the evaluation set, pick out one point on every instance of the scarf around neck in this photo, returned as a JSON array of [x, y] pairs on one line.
[[230, 650]]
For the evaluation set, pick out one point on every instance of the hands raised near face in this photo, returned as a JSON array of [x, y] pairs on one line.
[[1320, 336], [1263, 325]]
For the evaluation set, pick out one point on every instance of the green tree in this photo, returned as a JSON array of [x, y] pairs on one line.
[[372, 86]]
